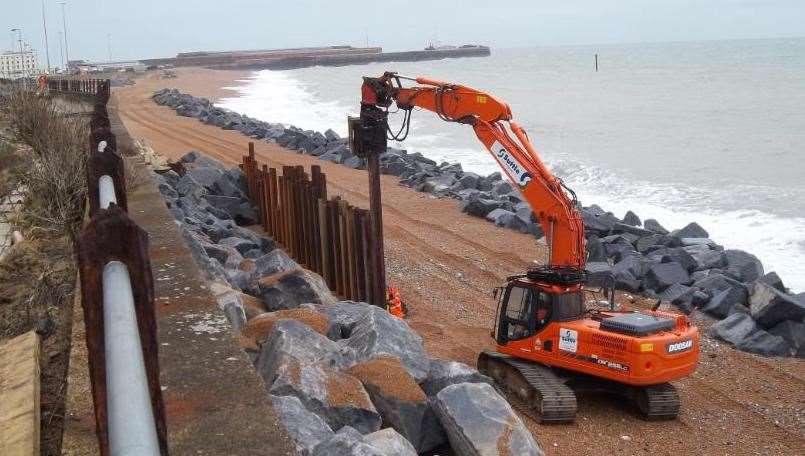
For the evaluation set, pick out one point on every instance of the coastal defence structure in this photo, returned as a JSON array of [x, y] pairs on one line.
[[281, 59]]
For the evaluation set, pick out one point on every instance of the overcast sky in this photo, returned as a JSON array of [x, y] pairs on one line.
[[159, 28]]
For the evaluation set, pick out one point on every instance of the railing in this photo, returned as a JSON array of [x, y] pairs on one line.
[[117, 293], [78, 86], [330, 237]]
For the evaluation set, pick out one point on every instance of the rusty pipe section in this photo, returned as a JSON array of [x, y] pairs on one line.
[[130, 418]]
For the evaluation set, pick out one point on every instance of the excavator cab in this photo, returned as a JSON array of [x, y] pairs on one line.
[[525, 308]]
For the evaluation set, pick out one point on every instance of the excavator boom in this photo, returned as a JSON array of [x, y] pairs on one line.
[[491, 119], [549, 345]]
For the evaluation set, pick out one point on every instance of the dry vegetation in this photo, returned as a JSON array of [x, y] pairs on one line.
[[55, 181], [37, 277]]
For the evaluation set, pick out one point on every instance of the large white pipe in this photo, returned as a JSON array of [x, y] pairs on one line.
[[106, 190], [130, 418]]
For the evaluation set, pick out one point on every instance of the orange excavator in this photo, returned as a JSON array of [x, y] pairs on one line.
[[549, 344]]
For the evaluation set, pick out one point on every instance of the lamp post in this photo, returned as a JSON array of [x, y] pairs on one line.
[[64, 28], [61, 48], [45, 27]]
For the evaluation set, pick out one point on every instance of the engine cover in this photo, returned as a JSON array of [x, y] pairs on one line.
[[637, 324]]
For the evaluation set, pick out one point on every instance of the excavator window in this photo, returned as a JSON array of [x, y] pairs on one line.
[[525, 311], [568, 306]]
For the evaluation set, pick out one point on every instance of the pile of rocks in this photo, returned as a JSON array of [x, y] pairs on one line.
[[684, 266], [688, 269], [346, 378]]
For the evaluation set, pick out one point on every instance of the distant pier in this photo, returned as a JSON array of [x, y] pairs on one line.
[[283, 59]]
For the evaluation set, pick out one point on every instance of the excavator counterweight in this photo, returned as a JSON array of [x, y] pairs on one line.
[[549, 344]]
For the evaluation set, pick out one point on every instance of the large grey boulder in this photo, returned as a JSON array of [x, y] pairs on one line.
[[226, 186], [663, 275], [635, 265], [479, 422], [743, 266], [741, 331], [380, 333], [187, 186], [438, 185], [631, 219], [500, 216], [793, 332], [344, 315], [335, 396], [400, 400], [205, 176], [692, 230], [709, 259], [217, 252], [597, 222], [599, 274], [273, 262], [294, 343], [620, 227], [217, 229], [240, 210], [773, 280], [502, 187], [735, 328], [480, 207], [674, 292], [653, 225], [595, 249], [468, 181], [231, 303], [764, 343], [290, 289], [444, 373], [350, 442], [305, 428], [650, 242], [510, 220], [390, 442], [722, 302], [714, 282], [674, 255], [239, 244], [770, 306]]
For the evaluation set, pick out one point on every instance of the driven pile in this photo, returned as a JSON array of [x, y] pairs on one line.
[[345, 377]]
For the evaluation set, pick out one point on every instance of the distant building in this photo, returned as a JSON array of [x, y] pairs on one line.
[[102, 67], [15, 65]]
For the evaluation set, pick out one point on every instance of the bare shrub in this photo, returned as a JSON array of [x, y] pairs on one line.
[[55, 181]]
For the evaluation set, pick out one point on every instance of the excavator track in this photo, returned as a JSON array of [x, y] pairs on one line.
[[532, 388], [657, 402], [538, 392]]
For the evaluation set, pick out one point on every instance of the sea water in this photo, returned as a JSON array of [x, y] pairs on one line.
[[712, 132]]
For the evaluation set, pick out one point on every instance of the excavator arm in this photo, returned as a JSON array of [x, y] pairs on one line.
[[491, 119]]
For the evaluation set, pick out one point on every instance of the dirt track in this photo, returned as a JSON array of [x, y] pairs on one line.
[[446, 264]]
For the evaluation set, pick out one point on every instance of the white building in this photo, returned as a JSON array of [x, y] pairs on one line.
[[15, 65]]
